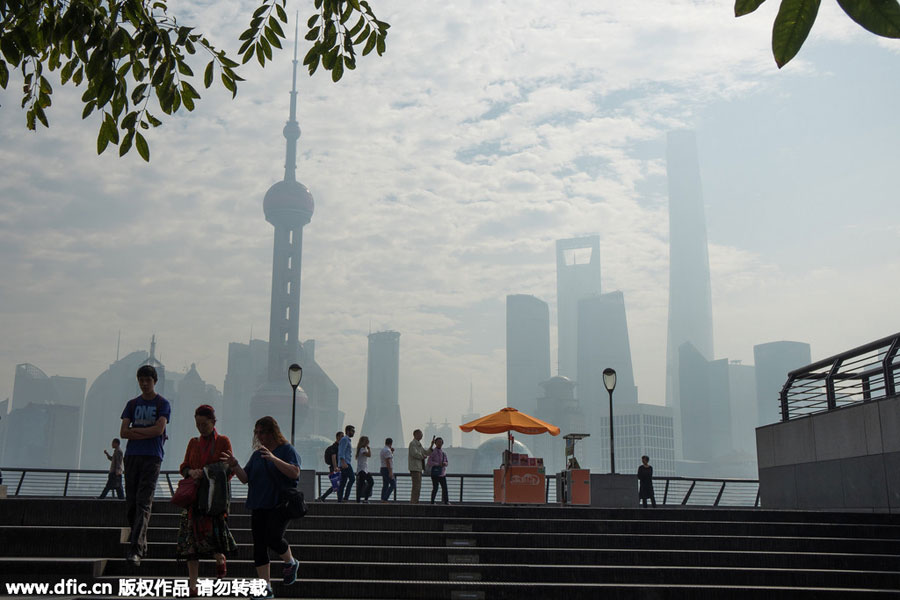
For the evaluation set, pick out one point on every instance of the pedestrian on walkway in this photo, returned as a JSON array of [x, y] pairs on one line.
[[345, 463], [114, 479], [331, 461], [272, 466], [144, 423], [416, 460], [388, 480], [202, 534], [364, 481], [645, 481], [437, 467]]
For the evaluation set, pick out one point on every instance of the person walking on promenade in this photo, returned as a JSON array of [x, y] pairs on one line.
[[200, 534], [416, 460], [645, 479], [331, 461], [144, 423], [388, 480], [114, 479], [437, 467], [345, 462], [364, 481], [272, 466]]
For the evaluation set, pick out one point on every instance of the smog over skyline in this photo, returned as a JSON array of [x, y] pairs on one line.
[[443, 173]]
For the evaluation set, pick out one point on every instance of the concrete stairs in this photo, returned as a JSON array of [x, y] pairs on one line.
[[471, 552]]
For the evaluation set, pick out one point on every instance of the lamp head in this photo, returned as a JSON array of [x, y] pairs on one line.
[[295, 373], [609, 379]]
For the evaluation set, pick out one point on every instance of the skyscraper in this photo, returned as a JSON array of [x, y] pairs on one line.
[[577, 277], [705, 406], [773, 362], [288, 206], [604, 343], [527, 350], [382, 418], [690, 296]]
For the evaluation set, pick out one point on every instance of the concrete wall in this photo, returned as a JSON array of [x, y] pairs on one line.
[[845, 459]]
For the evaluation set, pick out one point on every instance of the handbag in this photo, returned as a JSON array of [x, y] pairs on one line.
[[335, 479], [186, 493], [294, 503], [436, 470]]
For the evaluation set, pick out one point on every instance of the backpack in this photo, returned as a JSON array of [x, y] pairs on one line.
[[329, 454]]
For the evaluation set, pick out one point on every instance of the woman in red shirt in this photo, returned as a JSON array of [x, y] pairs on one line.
[[201, 535]]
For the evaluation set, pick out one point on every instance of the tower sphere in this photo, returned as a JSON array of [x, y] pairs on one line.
[[288, 203]]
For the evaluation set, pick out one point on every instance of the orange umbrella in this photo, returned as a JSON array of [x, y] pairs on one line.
[[510, 419]]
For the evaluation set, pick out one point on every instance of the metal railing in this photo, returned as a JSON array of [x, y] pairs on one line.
[[863, 374], [462, 487]]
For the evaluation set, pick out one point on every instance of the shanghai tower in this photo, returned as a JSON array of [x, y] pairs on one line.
[[288, 206], [690, 296]]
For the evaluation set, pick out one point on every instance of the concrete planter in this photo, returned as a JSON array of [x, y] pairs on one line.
[[614, 490]]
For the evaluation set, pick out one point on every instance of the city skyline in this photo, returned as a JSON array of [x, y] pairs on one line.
[[449, 191]]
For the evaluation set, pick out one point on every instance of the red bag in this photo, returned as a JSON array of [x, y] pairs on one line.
[[186, 493]]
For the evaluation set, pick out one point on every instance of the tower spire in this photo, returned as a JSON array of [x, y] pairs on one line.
[[292, 128]]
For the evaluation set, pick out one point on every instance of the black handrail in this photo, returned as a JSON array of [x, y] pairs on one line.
[[862, 374], [681, 491]]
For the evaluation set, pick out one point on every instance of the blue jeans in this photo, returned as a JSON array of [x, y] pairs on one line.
[[347, 479], [388, 484]]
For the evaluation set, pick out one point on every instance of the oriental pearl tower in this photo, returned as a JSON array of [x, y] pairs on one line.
[[288, 206]]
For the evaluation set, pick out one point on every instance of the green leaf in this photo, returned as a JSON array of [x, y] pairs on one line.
[[208, 74], [371, 43], [313, 34], [78, 75], [792, 25], [125, 146], [260, 11], [229, 85], [88, 109], [247, 35], [281, 14], [881, 17], [745, 7], [184, 69], [64, 75], [142, 147], [153, 120], [356, 28], [379, 45], [102, 138], [338, 71], [248, 55], [312, 21], [276, 28], [39, 112]]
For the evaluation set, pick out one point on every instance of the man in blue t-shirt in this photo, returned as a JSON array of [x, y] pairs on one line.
[[144, 426]]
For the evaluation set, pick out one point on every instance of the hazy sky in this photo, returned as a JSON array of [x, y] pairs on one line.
[[443, 173]]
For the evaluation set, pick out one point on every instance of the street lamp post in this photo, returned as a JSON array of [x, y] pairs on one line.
[[295, 374], [609, 381]]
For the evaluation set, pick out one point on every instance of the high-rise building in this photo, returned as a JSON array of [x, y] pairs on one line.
[[247, 370], [43, 430], [705, 406], [690, 296], [527, 351], [742, 391], [560, 407], [382, 418], [577, 277], [288, 206], [638, 430], [774, 361], [603, 343]]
